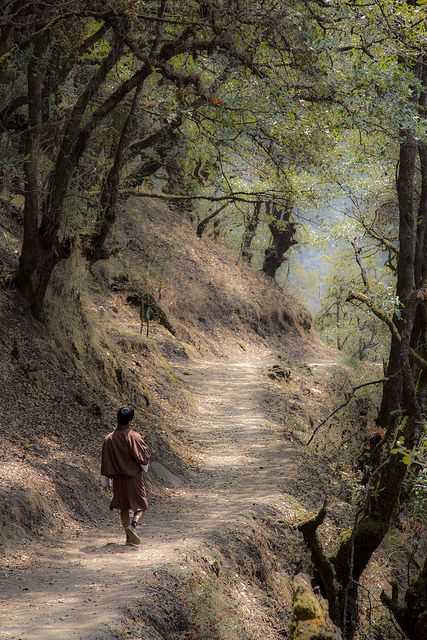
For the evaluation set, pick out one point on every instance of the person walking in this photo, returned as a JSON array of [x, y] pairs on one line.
[[125, 458]]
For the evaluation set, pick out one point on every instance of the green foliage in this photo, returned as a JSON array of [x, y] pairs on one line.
[[413, 456], [361, 246], [268, 102]]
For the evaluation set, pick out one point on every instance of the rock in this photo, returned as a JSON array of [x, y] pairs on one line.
[[277, 372], [310, 614], [306, 606]]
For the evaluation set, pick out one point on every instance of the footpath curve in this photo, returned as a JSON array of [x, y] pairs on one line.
[[78, 589]]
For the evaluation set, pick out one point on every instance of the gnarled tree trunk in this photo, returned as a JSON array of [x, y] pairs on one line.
[[283, 231], [43, 248], [251, 227]]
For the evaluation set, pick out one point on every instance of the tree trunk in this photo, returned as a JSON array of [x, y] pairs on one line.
[[340, 575], [283, 238], [401, 394], [110, 189], [35, 270], [249, 234], [389, 412], [34, 267], [42, 247], [391, 399], [384, 489]]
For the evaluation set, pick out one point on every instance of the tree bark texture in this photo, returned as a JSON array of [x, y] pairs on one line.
[[251, 227], [283, 238]]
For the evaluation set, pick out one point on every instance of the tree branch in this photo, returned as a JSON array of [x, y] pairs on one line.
[[237, 196], [203, 223], [319, 558], [361, 297], [344, 404]]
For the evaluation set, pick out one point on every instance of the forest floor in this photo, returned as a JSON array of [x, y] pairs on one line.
[[78, 588]]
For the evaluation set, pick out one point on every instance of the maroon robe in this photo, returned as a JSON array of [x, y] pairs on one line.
[[124, 452]]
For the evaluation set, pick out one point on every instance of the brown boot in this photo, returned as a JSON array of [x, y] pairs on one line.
[[131, 537]]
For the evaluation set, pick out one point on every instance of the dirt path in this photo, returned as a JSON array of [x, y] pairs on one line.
[[78, 588]]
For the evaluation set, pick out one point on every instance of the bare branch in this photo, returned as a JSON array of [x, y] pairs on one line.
[[237, 196], [343, 405], [361, 297]]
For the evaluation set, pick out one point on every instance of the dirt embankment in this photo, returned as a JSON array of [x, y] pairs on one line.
[[231, 478]]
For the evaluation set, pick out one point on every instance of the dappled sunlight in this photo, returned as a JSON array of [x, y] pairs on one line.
[[78, 585]]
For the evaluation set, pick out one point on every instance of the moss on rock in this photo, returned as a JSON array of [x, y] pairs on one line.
[[310, 614], [344, 536], [306, 606]]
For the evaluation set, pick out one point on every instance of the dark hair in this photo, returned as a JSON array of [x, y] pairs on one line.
[[125, 415], [375, 440]]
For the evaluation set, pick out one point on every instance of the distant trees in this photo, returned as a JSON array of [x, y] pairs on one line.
[[353, 329]]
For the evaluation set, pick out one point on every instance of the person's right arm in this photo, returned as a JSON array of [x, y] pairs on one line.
[[139, 450]]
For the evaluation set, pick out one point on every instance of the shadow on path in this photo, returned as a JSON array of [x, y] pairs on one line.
[[77, 588]]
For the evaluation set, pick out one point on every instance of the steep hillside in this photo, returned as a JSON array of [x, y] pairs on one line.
[[212, 302]]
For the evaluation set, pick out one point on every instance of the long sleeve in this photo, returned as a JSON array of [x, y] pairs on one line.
[[105, 467], [139, 450]]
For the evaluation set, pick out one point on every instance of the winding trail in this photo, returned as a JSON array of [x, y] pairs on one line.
[[78, 588]]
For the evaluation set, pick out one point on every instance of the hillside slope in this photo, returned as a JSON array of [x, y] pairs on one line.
[[62, 381], [230, 478]]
